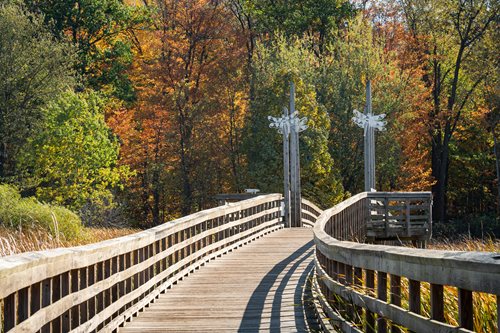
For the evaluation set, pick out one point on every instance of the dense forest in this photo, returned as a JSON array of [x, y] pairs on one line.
[[133, 112]]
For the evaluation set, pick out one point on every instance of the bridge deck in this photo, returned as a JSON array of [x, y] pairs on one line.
[[258, 287]]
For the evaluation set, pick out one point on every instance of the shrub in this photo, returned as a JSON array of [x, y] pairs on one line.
[[18, 212]]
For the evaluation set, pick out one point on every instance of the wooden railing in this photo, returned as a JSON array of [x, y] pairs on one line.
[[399, 216], [309, 213], [97, 287], [360, 286]]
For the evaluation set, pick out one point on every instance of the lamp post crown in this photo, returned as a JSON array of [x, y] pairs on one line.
[[369, 120]]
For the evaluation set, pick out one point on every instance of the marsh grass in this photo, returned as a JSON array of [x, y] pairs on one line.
[[13, 241]]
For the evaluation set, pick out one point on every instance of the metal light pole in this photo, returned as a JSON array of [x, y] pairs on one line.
[[369, 122], [289, 125]]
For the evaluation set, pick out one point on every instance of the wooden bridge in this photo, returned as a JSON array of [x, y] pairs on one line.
[[237, 268]]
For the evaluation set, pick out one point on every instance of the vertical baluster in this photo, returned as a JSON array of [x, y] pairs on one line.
[[46, 300], [437, 304], [75, 314], [100, 296], [358, 282], [465, 313], [56, 295], [65, 288], [349, 282], [408, 232], [83, 305], [176, 253], [142, 274], [128, 264], [36, 298], [395, 297], [164, 261], [147, 250], [9, 311], [92, 300], [370, 286], [107, 274], [23, 305], [382, 295]]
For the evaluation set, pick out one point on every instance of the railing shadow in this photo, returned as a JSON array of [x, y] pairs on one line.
[[252, 317]]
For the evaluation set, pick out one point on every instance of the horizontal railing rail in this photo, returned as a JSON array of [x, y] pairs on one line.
[[97, 287], [399, 215], [367, 287], [310, 213]]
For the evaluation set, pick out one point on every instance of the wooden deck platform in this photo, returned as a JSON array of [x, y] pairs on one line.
[[256, 288]]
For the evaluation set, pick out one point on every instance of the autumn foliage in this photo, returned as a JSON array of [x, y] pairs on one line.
[[185, 88]]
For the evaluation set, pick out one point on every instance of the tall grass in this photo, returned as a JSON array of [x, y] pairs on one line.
[[27, 213], [13, 241]]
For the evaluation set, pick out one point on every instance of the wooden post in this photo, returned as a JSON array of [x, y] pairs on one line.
[[286, 172], [369, 142], [295, 199], [370, 290]]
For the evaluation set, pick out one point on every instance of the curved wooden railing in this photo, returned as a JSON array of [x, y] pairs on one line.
[[310, 213], [360, 285], [97, 287]]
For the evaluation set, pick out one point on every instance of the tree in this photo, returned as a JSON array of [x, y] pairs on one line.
[[103, 33], [285, 60], [74, 158], [182, 135], [356, 55], [452, 36], [34, 69], [316, 19]]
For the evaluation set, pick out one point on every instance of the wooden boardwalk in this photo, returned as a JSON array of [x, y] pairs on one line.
[[256, 288]]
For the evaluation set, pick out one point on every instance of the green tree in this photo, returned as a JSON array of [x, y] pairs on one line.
[[74, 159], [454, 39], [34, 69], [275, 67], [355, 56], [315, 18], [103, 32]]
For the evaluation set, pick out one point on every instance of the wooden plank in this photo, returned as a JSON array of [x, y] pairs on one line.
[[142, 303], [237, 298]]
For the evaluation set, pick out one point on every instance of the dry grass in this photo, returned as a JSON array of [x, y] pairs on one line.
[[466, 244], [18, 241]]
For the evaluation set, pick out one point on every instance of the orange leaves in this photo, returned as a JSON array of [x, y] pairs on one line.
[[188, 76]]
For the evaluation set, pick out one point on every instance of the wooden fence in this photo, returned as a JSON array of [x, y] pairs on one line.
[[360, 285], [309, 213], [97, 287]]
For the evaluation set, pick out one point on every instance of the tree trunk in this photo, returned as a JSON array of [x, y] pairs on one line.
[[440, 164], [496, 149], [3, 160], [187, 196]]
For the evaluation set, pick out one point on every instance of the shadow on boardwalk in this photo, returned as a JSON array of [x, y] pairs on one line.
[[285, 303]]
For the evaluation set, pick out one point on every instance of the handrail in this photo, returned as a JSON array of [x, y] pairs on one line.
[[99, 286], [309, 213], [346, 270]]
